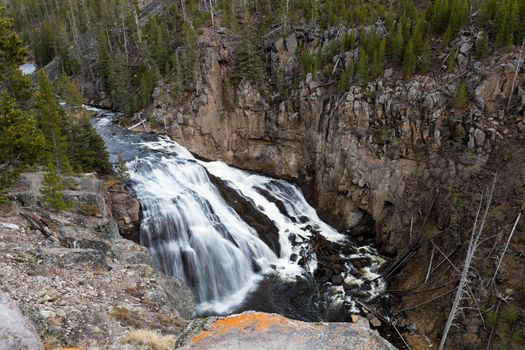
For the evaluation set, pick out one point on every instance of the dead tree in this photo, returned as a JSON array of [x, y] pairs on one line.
[[463, 282]]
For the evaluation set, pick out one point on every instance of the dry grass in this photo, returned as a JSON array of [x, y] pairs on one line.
[[112, 182], [149, 339], [124, 316], [134, 292], [89, 209]]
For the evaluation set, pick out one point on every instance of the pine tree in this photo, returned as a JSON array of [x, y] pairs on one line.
[[482, 46], [451, 60], [344, 79], [347, 41], [378, 64], [447, 37], [121, 84], [409, 58], [147, 77], [87, 151], [246, 62], [20, 142], [390, 18], [362, 66], [12, 55], [397, 43], [51, 190], [156, 44], [307, 63], [461, 98], [68, 91], [424, 61], [51, 121]]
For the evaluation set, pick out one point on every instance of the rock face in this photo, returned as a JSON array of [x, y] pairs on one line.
[[125, 210], [360, 149], [253, 330], [15, 331], [78, 281]]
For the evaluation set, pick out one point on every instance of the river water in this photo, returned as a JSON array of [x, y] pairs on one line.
[[224, 230]]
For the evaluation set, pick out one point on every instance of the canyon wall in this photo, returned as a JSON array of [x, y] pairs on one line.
[[377, 150]]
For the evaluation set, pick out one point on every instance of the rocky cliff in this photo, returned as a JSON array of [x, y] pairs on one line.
[[397, 155], [360, 149]]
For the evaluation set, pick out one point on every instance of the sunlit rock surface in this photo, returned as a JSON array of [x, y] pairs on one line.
[[254, 330]]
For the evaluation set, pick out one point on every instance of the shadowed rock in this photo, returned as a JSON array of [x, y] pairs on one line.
[[247, 210]]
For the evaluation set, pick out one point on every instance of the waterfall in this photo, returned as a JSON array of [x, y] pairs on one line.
[[192, 233], [199, 219]]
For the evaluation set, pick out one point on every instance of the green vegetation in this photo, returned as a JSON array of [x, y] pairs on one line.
[[52, 122], [504, 20], [490, 319], [134, 56], [461, 99], [35, 129], [509, 314], [51, 190], [20, 139], [86, 150], [68, 92], [247, 64]]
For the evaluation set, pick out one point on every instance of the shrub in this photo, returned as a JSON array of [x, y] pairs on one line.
[[510, 314], [490, 319], [461, 99], [89, 209], [124, 316]]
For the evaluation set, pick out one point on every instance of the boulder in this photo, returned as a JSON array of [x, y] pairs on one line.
[[15, 331], [180, 298], [479, 137], [126, 211], [255, 330]]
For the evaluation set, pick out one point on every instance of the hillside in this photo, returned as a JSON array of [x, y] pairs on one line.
[[398, 119]]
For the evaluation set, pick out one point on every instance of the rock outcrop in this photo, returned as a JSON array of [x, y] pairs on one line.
[[73, 275], [125, 209], [254, 330]]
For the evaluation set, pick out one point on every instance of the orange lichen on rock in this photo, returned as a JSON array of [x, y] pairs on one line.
[[258, 322]]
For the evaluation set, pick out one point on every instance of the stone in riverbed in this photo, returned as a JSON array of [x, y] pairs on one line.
[[337, 279], [374, 321]]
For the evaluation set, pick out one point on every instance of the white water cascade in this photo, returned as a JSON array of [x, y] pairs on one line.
[[191, 230]]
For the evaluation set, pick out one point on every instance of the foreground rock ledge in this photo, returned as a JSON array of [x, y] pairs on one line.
[[255, 330], [15, 331]]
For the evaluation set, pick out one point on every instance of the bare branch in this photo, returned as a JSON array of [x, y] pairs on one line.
[[505, 250]]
